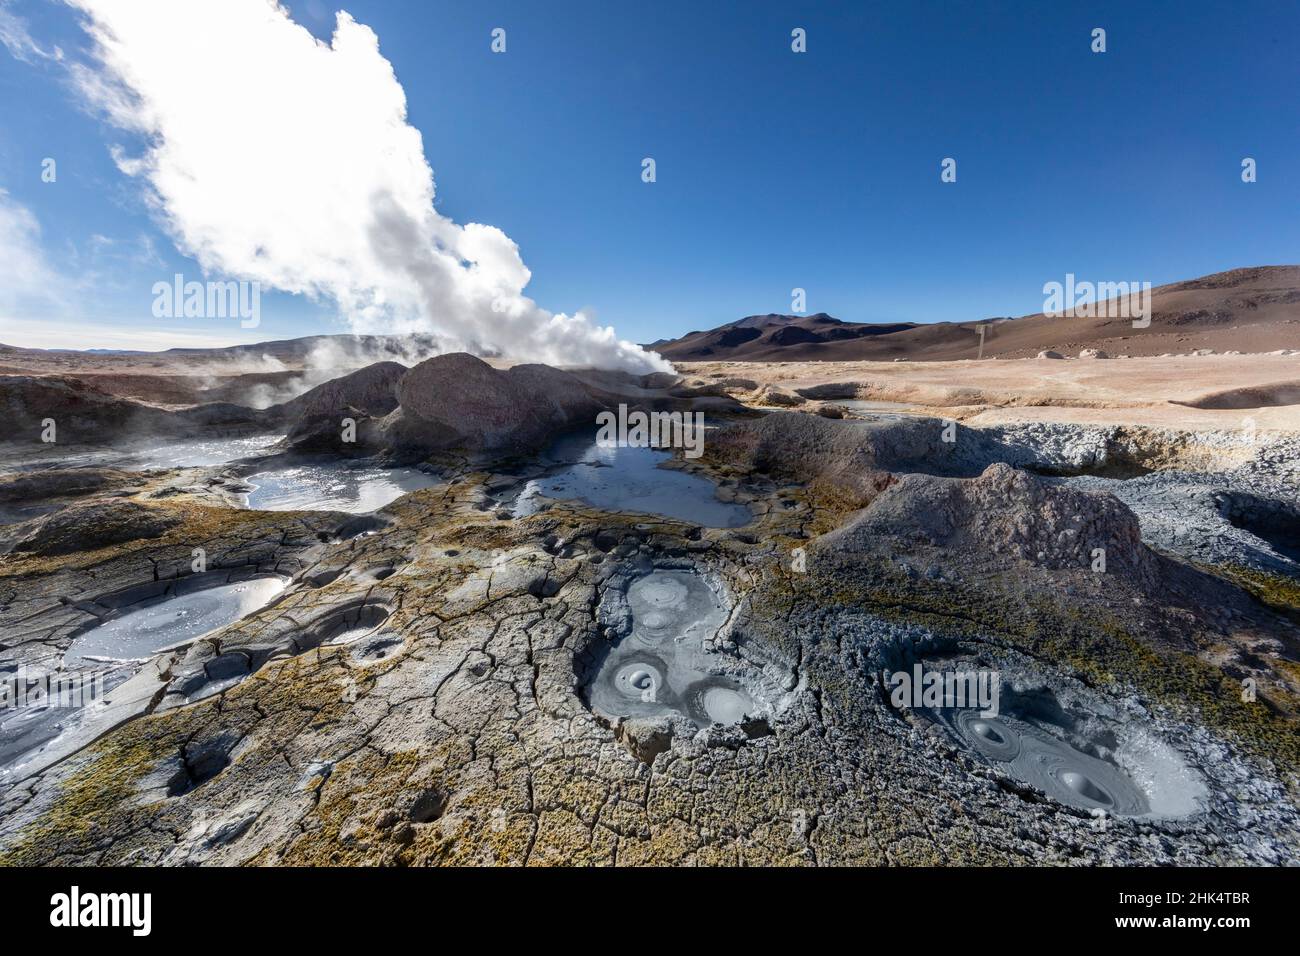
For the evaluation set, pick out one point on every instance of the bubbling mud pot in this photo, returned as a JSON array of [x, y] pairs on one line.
[[1033, 757], [662, 667], [1074, 747]]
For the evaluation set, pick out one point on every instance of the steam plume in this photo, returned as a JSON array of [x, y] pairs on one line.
[[275, 157]]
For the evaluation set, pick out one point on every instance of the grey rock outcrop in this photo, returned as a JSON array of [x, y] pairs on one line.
[[365, 396], [851, 455], [371, 391], [48, 483], [780, 397], [82, 412], [93, 526], [1003, 513], [459, 401], [646, 737]]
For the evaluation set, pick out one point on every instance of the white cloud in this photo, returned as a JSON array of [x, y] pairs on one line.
[[27, 282], [275, 157], [19, 43], [48, 334], [32, 288]]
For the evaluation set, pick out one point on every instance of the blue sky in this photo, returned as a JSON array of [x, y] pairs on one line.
[[774, 169]]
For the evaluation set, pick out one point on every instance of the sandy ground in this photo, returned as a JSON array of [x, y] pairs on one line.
[[1156, 392]]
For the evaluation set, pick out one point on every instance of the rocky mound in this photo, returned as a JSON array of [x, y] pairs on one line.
[[366, 395], [460, 401], [851, 456], [1002, 513], [61, 483], [84, 413], [370, 391], [452, 401], [80, 411], [774, 395], [93, 526]]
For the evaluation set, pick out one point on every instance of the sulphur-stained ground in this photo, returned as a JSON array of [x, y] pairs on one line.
[[458, 727]]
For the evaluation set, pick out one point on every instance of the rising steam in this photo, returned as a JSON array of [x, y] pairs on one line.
[[272, 156]]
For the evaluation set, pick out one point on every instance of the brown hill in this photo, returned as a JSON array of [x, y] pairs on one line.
[[1244, 310], [756, 335]]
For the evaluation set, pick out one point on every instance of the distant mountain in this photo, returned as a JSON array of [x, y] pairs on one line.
[[756, 337], [1246, 310]]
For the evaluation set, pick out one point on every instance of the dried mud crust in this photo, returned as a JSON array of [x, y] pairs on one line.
[[469, 740]]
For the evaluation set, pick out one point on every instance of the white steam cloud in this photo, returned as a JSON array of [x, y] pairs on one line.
[[275, 157]]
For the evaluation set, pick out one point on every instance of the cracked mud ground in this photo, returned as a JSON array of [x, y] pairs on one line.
[[457, 728]]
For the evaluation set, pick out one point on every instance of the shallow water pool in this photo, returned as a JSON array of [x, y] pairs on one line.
[[142, 456], [140, 634], [333, 486], [628, 478]]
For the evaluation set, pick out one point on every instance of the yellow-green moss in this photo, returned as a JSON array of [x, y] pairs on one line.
[[1274, 590], [69, 824]]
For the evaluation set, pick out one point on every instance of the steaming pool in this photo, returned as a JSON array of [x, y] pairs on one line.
[[200, 453], [627, 478], [185, 453], [333, 486]]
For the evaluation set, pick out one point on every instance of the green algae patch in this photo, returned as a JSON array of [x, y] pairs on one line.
[[1275, 591], [346, 827], [82, 812], [1182, 680]]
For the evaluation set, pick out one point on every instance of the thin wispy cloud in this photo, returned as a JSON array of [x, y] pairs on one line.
[[28, 283], [122, 335], [17, 39], [43, 290]]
